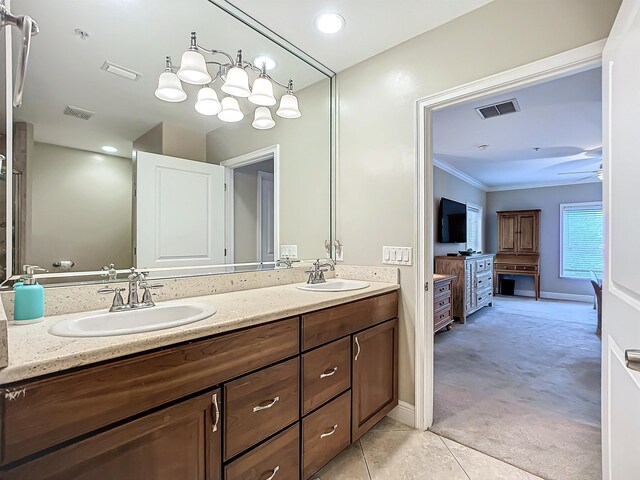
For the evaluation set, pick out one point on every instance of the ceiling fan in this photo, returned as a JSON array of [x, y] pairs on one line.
[[592, 173]]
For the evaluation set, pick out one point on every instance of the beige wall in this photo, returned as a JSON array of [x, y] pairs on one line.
[[304, 166], [547, 199], [245, 211], [376, 138], [173, 141], [448, 186], [80, 208]]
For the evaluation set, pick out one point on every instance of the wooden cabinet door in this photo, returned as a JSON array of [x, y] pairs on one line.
[[374, 376], [178, 442], [507, 233], [527, 233]]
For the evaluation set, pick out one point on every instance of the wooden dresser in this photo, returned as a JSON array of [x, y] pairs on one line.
[[518, 245], [442, 301], [473, 287]]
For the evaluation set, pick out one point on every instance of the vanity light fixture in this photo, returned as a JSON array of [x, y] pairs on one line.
[[109, 149], [234, 75], [329, 23]]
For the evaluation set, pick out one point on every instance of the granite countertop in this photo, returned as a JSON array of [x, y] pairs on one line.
[[33, 351]]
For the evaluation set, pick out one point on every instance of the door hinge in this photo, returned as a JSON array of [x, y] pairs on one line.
[[426, 286], [225, 187], [225, 252]]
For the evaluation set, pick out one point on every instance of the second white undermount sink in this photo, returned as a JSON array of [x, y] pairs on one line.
[[334, 285], [132, 321]]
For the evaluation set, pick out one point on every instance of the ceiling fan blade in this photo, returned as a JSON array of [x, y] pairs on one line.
[[575, 173], [581, 179]]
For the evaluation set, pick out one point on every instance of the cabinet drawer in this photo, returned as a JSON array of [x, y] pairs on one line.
[[441, 302], [480, 265], [260, 404], [441, 289], [325, 433], [60, 408], [442, 316], [326, 372], [279, 458], [324, 326], [526, 268], [484, 298], [484, 281]]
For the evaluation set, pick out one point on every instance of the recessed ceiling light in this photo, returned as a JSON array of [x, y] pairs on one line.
[[330, 23], [268, 62], [109, 149]]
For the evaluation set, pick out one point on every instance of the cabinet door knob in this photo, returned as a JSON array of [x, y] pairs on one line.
[[273, 473], [329, 372], [331, 432], [357, 345], [214, 400], [264, 406]]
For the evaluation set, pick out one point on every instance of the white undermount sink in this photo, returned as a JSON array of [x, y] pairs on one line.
[[334, 285], [132, 321]]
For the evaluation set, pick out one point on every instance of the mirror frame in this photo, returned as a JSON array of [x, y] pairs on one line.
[[99, 276]]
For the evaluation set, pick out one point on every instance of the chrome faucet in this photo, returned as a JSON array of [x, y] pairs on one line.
[[317, 274], [286, 262], [136, 279]]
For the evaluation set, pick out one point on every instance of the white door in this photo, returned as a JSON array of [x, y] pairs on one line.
[[621, 283], [266, 220], [179, 212]]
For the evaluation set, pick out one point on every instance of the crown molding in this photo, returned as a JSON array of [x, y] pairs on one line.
[[525, 186], [461, 175]]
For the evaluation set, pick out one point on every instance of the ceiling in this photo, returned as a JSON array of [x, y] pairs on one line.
[[562, 118], [371, 26], [65, 70]]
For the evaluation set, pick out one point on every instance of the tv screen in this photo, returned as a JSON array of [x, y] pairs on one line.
[[453, 222]]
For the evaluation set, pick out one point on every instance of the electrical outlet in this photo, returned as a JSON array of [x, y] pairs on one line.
[[397, 255]]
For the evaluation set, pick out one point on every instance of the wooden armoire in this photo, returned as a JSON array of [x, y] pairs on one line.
[[518, 246]]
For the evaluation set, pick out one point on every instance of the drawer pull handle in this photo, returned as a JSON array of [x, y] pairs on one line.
[[357, 345], [214, 400], [329, 373], [265, 406], [331, 432], [442, 303], [273, 473]]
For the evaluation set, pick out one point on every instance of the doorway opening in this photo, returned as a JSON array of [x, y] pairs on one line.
[[468, 374]]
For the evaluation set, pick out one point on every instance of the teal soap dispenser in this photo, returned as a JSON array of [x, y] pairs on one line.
[[29, 298]]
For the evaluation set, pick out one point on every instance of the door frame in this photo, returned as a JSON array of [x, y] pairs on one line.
[[261, 176], [240, 161], [563, 64]]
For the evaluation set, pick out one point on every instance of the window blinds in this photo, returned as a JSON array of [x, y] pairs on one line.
[[581, 240], [474, 228]]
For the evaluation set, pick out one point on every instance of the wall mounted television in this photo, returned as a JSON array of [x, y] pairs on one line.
[[452, 222]]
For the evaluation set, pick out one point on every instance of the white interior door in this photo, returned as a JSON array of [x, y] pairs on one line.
[[266, 217], [179, 212], [621, 286]]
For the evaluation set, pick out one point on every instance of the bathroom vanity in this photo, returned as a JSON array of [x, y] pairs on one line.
[[274, 400]]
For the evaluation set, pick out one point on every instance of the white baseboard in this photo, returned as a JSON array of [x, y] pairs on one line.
[[572, 297], [404, 413]]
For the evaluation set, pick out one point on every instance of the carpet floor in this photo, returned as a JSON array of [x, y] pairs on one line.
[[521, 382]]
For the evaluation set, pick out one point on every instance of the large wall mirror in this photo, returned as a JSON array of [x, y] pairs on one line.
[[113, 165]]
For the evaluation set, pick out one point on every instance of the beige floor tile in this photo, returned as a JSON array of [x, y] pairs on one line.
[[479, 466], [349, 465], [388, 424], [409, 455]]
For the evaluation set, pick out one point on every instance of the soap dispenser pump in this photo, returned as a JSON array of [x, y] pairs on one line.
[[29, 298]]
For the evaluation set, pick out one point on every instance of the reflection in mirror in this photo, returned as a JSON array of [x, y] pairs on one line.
[[131, 150]]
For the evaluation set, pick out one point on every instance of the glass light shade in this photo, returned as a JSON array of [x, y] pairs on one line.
[[193, 68], [288, 107], [230, 110], [208, 103], [600, 175], [237, 83], [262, 92], [262, 119], [169, 88]]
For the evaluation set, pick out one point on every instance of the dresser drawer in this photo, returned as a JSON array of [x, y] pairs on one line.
[[483, 298], [327, 325], [59, 408], [260, 404], [441, 317], [325, 433], [279, 458], [441, 289], [326, 372], [441, 302], [484, 281], [480, 265], [526, 268]]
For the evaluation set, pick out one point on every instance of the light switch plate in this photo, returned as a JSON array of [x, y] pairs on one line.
[[397, 255], [290, 251]]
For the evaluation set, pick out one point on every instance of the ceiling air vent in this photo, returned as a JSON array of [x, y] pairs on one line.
[[498, 109], [78, 113]]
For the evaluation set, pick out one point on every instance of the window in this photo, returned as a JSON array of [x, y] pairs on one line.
[[581, 239], [474, 227]]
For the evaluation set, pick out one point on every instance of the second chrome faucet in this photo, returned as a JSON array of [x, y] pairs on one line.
[[137, 280]]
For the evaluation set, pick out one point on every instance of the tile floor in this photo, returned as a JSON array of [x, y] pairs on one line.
[[393, 451]]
